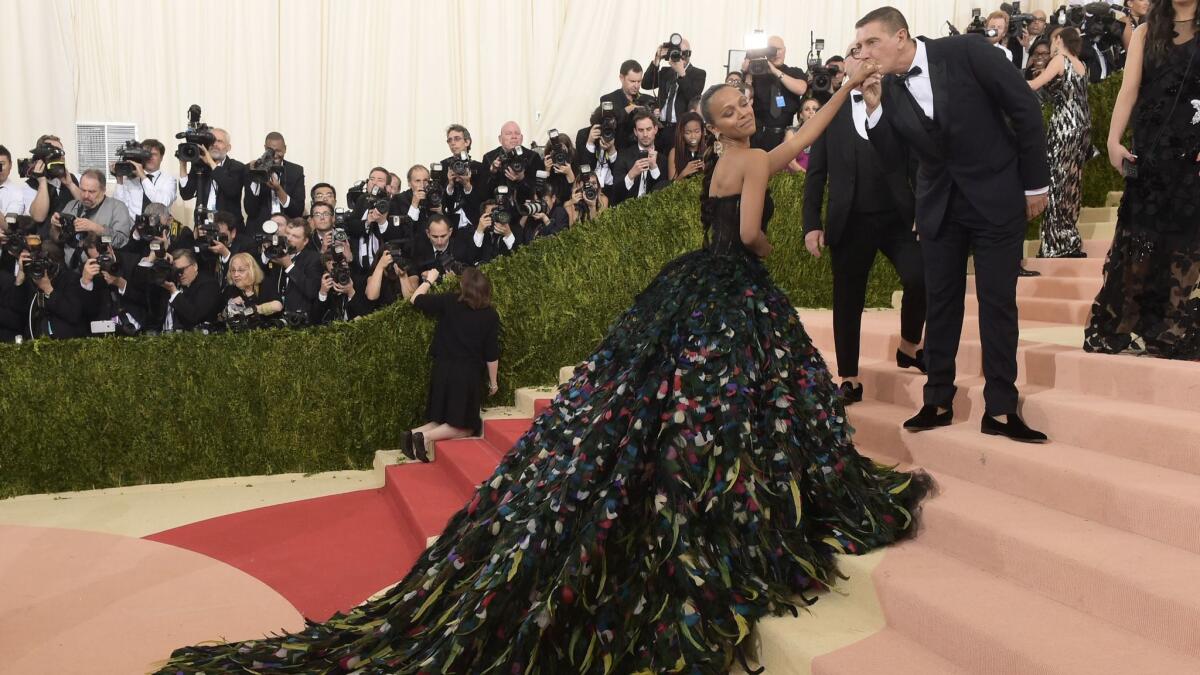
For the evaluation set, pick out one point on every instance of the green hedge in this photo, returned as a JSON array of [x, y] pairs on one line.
[[114, 411], [1098, 177]]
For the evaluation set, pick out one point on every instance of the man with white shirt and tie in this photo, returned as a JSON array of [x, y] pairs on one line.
[[870, 211], [150, 185], [976, 129], [279, 190], [678, 83], [14, 197], [216, 181], [640, 168]]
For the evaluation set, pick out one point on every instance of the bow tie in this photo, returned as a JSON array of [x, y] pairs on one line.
[[857, 97], [912, 72]]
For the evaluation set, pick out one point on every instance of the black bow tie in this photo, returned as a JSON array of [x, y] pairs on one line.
[[857, 97], [915, 70]]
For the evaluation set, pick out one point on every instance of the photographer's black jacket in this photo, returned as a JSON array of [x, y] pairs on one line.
[[625, 161], [625, 137], [10, 314], [533, 163], [230, 178], [59, 316], [258, 207], [298, 288], [691, 86], [425, 258], [493, 246], [766, 87]]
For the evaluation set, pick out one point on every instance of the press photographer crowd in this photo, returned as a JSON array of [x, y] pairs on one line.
[[98, 252]]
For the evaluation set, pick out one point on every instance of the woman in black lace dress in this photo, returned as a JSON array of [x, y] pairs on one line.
[[1150, 301]]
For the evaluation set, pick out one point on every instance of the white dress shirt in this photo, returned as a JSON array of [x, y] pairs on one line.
[[212, 189], [276, 205], [921, 88], [15, 198], [157, 186], [654, 173]]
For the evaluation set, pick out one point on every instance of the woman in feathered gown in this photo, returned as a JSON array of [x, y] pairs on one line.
[[696, 473]]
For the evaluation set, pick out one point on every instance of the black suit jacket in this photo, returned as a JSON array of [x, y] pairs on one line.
[[258, 207], [533, 163], [831, 165], [303, 282], [424, 257], [621, 167], [230, 178], [63, 312], [625, 137], [990, 142], [691, 85]]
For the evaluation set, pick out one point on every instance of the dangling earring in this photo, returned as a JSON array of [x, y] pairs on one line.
[[717, 147]]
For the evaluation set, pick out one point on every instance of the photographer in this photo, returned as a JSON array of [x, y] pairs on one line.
[[103, 279], [47, 295], [777, 94], [687, 157], [597, 149], [227, 241], [465, 351], [511, 162], [493, 236], [552, 219], [217, 180], [678, 82], [369, 224], [340, 296], [560, 163], [246, 299], [294, 273], [1134, 16], [837, 72], [588, 199], [625, 100], [417, 203], [322, 193], [640, 169], [15, 198], [273, 184], [92, 213], [442, 248], [187, 298], [388, 281], [148, 184], [463, 178], [53, 185], [157, 225]]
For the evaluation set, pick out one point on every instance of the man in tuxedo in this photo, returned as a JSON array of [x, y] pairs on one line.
[[295, 276], [639, 169], [231, 240], [339, 301], [441, 247], [464, 193], [870, 210], [976, 129], [150, 185], [678, 83], [511, 139], [370, 227], [185, 299], [778, 95], [52, 305], [492, 240], [217, 180], [279, 190], [625, 100]]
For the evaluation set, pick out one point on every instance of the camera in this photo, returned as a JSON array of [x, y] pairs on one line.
[[377, 199], [274, 245], [978, 26], [38, 265], [558, 150], [758, 60], [261, 169], [207, 232], [161, 269], [460, 165], [335, 256], [340, 217], [1017, 21], [131, 152], [513, 159], [52, 159], [148, 228], [16, 229], [820, 77], [435, 189], [107, 258], [69, 235], [674, 47], [197, 135], [504, 212], [608, 121]]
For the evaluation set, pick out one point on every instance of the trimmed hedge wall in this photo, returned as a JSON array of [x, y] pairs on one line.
[[113, 411]]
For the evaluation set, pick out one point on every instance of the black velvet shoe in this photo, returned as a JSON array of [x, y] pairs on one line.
[[418, 447], [929, 418], [1022, 272], [1015, 429], [406, 444], [905, 361], [850, 393]]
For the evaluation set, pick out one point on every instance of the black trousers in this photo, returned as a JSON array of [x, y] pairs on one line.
[[866, 235], [997, 253]]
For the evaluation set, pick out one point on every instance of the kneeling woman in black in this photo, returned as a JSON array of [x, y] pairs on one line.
[[466, 346]]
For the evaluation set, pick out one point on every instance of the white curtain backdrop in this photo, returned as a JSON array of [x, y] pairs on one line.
[[355, 83]]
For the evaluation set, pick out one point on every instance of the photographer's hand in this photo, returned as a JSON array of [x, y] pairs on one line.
[[346, 290], [170, 286], [326, 284], [639, 167], [660, 54], [485, 222], [593, 134], [44, 284], [85, 225], [141, 170], [23, 259], [418, 196], [112, 168], [115, 282], [56, 219], [91, 269], [511, 175], [207, 158], [220, 249]]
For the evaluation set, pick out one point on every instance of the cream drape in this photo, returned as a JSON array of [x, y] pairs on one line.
[[355, 83]]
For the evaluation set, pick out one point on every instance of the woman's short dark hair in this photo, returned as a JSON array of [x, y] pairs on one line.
[[1072, 40], [475, 290]]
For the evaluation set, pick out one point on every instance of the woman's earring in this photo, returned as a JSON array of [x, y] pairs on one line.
[[717, 147]]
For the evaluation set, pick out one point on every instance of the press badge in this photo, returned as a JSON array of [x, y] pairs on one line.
[[779, 101]]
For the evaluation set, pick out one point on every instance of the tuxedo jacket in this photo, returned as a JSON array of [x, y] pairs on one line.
[[533, 163], [620, 168], [625, 137], [987, 138], [832, 168], [425, 258], [691, 85], [230, 178], [298, 288], [63, 314], [258, 207]]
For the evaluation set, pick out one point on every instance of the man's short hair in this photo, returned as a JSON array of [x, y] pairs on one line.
[[641, 113], [47, 137], [411, 169], [630, 66], [275, 136], [97, 175], [460, 129], [393, 177], [155, 144], [891, 18], [301, 222], [312, 194], [317, 205], [225, 217], [998, 14], [5, 153], [185, 254], [439, 218], [834, 59]]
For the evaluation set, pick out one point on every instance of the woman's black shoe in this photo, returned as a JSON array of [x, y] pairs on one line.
[[1015, 429], [905, 361], [1022, 272], [406, 444], [850, 393], [418, 447], [1075, 254], [929, 418]]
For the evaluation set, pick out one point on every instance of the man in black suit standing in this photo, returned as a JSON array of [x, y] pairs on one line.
[[976, 129], [217, 180], [871, 209], [625, 100], [278, 188], [678, 83], [639, 169]]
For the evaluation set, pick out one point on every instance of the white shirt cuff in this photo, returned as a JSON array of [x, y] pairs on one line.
[[322, 297], [628, 183], [478, 238], [254, 188], [288, 269], [873, 118], [414, 213], [173, 296], [655, 173], [284, 204], [510, 240], [225, 258], [1034, 193], [86, 285]]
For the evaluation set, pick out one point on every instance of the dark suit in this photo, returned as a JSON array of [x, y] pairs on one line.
[[468, 203], [625, 161], [299, 287], [533, 163], [665, 79], [425, 258], [338, 307], [258, 207], [61, 315], [984, 148], [870, 210], [229, 177], [625, 137]]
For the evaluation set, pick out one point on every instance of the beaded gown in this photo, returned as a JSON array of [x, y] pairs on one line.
[[695, 474], [1150, 300], [1069, 140]]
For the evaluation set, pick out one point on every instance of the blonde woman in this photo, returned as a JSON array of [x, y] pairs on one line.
[[244, 295]]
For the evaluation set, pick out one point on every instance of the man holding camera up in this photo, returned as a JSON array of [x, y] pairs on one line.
[[640, 169], [625, 100], [499, 230], [463, 196], [104, 279], [510, 163], [273, 184], [92, 213], [368, 224], [341, 294], [148, 184], [53, 185], [216, 248], [295, 270], [678, 83], [778, 92], [216, 181], [47, 296]]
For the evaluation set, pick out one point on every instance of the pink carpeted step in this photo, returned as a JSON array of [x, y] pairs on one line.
[[540, 405], [1139, 498], [1067, 267], [426, 496], [1066, 312], [985, 624], [1139, 584], [1094, 248], [887, 651], [470, 461], [503, 434], [1064, 288]]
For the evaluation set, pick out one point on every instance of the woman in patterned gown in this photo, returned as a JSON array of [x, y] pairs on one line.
[[1150, 300], [1069, 143], [695, 474]]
